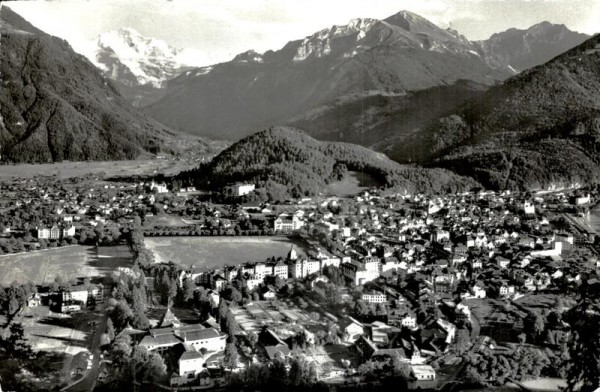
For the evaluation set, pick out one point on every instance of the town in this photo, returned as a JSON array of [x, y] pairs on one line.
[[417, 289]]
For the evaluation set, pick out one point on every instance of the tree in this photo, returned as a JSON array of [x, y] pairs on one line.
[[583, 370], [252, 338], [121, 314], [296, 373], [230, 357], [223, 310], [110, 329], [361, 308], [462, 342], [13, 306], [534, 324], [400, 367], [121, 349]]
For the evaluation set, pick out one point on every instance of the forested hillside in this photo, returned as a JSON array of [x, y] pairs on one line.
[[539, 128], [55, 105], [285, 163]]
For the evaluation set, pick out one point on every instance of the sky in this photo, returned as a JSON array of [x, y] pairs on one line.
[[216, 30]]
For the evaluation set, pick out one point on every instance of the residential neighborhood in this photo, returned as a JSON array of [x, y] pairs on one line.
[[378, 285]]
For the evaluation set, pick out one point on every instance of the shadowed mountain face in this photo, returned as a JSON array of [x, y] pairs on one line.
[[402, 53], [382, 120], [55, 105], [539, 128], [523, 49]]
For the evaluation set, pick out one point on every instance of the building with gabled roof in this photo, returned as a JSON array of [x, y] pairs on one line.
[[169, 319]]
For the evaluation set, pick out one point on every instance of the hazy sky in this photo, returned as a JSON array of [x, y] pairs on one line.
[[220, 29]]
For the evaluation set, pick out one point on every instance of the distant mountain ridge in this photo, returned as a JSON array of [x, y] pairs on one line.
[[523, 49], [55, 105], [402, 53], [398, 56]]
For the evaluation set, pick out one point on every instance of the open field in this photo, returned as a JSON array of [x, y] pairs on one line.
[[351, 184], [70, 262], [55, 332], [110, 168], [218, 251]]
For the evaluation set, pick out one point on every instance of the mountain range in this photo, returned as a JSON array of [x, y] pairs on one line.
[[402, 86], [356, 63], [538, 129], [55, 105]]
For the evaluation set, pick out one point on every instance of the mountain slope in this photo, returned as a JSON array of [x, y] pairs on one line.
[[379, 120], [523, 49], [539, 128], [55, 105], [285, 163], [402, 53]]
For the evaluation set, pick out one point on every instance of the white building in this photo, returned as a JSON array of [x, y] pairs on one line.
[[284, 223], [160, 188], [374, 297], [190, 363], [208, 338], [528, 208], [300, 269], [423, 376], [239, 189]]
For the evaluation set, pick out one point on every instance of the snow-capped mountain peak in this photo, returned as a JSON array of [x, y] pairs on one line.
[[132, 59]]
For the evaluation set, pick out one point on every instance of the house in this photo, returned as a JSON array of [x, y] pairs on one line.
[[34, 300], [285, 224], [506, 290], [239, 189], [422, 376], [219, 282], [351, 328], [269, 294], [207, 338], [103, 374], [528, 208], [190, 363], [374, 297], [365, 347], [479, 291], [214, 298], [281, 269], [273, 344], [161, 340], [169, 320], [502, 262]]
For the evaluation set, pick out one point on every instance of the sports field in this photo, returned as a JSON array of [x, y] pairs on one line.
[[218, 251], [76, 261]]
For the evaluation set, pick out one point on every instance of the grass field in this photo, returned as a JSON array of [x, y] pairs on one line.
[[111, 168], [218, 251], [352, 184], [70, 262], [55, 332]]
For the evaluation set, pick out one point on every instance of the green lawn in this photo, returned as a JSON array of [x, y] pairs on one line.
[[218, 251]]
